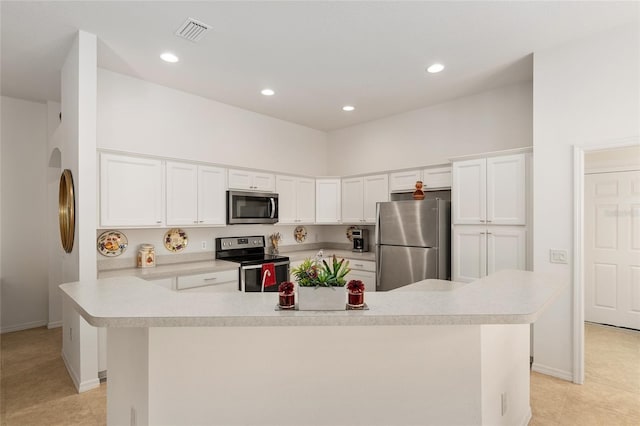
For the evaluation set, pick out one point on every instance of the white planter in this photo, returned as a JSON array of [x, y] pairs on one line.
[[322, 298]]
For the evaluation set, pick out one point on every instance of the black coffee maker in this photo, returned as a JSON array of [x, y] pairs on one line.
[[360, 240]]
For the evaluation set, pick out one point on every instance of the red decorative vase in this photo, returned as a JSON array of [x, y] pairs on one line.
[[286, 301], [355, 299]]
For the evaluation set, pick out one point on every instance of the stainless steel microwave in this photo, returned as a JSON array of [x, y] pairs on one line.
[[251, 207]]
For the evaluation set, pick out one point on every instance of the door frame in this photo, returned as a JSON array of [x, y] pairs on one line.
[[578, 247]]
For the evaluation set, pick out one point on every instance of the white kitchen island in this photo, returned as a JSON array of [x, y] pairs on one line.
[[433, 353]]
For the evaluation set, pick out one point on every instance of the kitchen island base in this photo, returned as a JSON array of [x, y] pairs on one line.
[[319, 375]]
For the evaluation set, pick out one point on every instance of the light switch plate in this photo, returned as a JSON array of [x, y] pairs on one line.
[[558, 256]]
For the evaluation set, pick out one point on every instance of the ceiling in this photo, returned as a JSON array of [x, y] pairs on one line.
[[316, 55]]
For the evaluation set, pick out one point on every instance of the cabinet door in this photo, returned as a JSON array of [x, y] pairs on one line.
[[182, 193], [468, 192], [469, 253], [240, 179], [368, 278], [404, 181], [506, 248], [506, 190], [287, 199], [131, 191], [439, 177], [211, 195], [264, 182], [376, 189], [328, 200], [306, 200], [352, 200]]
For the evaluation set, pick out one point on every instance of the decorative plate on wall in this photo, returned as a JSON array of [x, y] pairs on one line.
[[300, 234], [112, 243], [175, 240], [350, 232], [67, 210]]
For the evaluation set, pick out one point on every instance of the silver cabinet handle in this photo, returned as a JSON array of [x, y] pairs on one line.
[[358, 264], [158, 221], [211, 279], [202, 221], [488, 220], [195, 221]]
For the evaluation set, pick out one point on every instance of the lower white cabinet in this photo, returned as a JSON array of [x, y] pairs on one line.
[[481, 250], [364, 271], [210, 282]]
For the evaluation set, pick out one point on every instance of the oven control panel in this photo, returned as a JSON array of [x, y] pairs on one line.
[[233, 243]]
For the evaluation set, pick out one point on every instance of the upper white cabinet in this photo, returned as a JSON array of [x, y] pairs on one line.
[[296, 199], [404, 181], [252, 181], [490, 191], [360, 195], [328, 197], [131, 191], [195, 194], [436, 177]]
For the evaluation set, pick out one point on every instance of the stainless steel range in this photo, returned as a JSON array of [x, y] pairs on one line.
[[249, 252]]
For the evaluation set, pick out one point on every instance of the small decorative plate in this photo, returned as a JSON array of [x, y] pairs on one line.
[[300, 234], [175, 240], [112, 243], [350, 232]]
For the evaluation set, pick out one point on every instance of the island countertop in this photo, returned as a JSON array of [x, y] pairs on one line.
[[506, 297]]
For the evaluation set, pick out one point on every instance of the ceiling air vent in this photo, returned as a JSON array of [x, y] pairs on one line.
[[192, 30]]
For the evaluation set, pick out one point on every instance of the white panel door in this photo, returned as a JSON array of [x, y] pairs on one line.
[[306, 200], [287, 199], [264, 182], [438, 177], [131, 191], [352, 200], [376, 189], [612, 248], [182, 193], [328, 200], [404, 181], [506, 248], [506, 190], [469, 192], [469, 248], [212, 185], [240, 179]]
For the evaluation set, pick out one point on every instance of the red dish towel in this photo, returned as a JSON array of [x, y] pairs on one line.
[[268, 275]]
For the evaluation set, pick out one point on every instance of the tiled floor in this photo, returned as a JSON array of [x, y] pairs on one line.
[[36, 389]]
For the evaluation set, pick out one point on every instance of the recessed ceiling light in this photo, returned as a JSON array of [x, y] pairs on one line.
[[169, 57], [267, 92], [348, 108], [435, 68]]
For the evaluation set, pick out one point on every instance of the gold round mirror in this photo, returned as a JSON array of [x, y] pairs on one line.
[[66, 210]]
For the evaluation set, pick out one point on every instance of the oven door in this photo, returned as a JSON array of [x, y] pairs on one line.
[[251, 207], [251, 277]]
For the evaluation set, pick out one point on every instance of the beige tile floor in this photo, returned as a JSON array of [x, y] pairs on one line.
[[36, 389]]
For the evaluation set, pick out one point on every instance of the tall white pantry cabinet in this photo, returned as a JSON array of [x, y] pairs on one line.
[[490, 213]]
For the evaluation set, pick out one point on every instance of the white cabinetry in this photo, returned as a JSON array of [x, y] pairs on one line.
[[251, 180], [360, 195], [404, 181], [131, 191], [210, 282], [490, 191], [195, 194], [364, 271], [328, 200], [482, 250], [436, 178], [296, 199]]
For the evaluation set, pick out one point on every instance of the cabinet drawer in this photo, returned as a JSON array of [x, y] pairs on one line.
[[208, 279], [362, 265]]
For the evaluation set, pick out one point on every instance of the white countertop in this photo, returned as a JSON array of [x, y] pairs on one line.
[[506, 297]]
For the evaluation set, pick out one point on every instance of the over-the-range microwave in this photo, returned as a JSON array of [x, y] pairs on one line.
[[251, 207]]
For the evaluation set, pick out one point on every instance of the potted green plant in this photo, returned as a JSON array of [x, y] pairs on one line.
[[321, 284]]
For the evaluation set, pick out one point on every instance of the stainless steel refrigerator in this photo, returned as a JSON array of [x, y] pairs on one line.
[[412, 242]]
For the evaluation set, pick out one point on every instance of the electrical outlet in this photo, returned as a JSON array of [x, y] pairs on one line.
[[503, 399], [558, 256], [204, 245]]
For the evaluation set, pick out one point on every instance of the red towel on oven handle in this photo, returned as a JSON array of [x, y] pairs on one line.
[[270, 278]]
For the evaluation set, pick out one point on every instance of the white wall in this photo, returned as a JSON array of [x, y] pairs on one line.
[[24, 200], [585, 93], [490, 121], [141, 117]]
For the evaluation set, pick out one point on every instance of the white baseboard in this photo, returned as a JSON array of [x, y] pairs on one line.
[[54, 324], [80, 386], [527, 417], [554, 372], [24, 326]]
